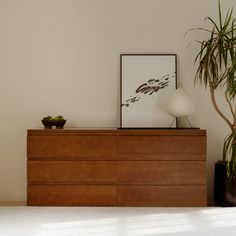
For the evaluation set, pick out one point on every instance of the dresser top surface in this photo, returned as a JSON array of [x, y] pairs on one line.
[[117, 131]]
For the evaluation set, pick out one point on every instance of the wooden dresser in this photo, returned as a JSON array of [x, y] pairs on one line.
[[137, 167]]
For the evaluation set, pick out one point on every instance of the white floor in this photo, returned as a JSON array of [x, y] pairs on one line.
[[76, 221]]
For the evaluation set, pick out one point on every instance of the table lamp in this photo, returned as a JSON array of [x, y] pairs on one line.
[[180, 105]]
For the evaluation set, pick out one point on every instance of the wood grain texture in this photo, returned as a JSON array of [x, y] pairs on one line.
[[172, 145], [120, 132], [161, 172], [137, 167], [161, 157], [83, 146], [162, 196], [161, 132], [72, 172], [73, 132], [71, 195]]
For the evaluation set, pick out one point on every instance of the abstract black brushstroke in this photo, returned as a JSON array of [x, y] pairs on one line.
[[148, 88], [131, 100]]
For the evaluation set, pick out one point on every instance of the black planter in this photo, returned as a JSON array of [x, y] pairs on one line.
[[224, 188], [59, 124], [48, 124]]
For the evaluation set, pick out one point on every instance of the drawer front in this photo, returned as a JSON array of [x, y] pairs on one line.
[[83, 146], [71, 171], [161, 147], [162, 172], [71, 195], [162, 196]]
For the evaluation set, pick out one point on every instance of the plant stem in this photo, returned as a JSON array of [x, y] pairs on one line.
[[230, 106], [235, 119], [212, 91]]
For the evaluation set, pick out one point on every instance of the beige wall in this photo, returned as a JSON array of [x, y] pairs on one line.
[[62, 57]]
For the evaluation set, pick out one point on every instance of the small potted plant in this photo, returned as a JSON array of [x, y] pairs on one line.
[[216, 69], [50, 121]]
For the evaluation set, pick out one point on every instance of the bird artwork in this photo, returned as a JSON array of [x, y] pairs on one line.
[[150, 87], [147, 82]]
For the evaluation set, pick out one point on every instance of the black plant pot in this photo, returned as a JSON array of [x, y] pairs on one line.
[[47, 124], [224, 188], [59, 124]]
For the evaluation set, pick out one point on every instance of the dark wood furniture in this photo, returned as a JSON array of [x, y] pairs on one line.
[[138, 167]]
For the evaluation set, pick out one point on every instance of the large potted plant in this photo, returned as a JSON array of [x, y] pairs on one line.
[[216, 69]]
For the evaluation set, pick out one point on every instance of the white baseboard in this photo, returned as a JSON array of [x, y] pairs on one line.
[[12, 203]]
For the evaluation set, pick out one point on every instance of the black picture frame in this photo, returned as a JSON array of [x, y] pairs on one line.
[[157, 80]]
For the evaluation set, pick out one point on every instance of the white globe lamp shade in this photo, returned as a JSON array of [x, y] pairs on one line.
[[180, 104]]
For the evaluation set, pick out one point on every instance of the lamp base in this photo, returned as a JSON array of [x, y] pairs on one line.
[[177, 119]]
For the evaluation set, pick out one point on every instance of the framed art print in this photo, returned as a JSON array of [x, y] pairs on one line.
[[147, 83]]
